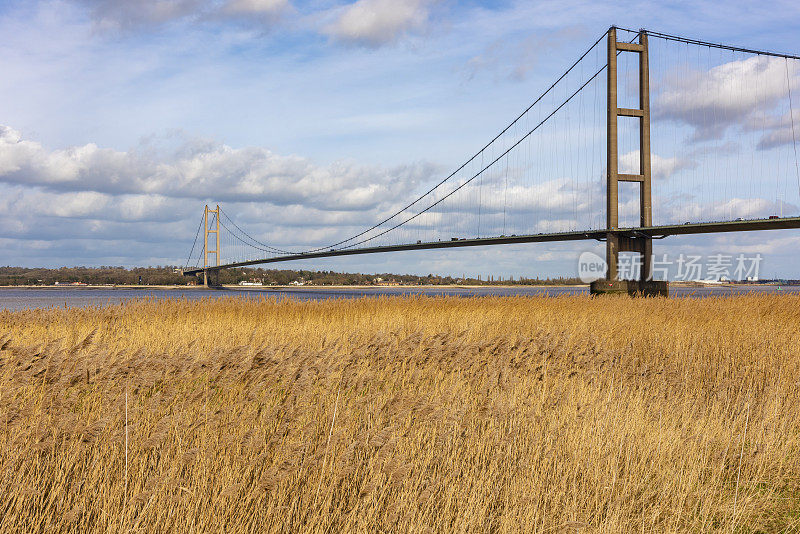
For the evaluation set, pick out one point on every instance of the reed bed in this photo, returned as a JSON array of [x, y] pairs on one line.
[[403, 415]]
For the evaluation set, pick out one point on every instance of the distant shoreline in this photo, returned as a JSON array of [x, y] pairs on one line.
[[136, 287], [95, 287], [261, 288]]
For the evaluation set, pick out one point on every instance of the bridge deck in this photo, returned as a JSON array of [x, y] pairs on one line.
[[656, 232]]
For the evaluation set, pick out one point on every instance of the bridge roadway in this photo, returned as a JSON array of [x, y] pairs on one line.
[[655, 232]]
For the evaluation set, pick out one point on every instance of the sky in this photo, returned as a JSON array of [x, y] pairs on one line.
[[308, 120]]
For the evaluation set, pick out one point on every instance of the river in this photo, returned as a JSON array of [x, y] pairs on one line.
[[31, 298]]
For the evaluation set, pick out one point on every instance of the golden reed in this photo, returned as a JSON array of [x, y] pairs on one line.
[[403, 415]]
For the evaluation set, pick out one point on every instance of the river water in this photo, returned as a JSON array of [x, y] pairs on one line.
[[19, 299]]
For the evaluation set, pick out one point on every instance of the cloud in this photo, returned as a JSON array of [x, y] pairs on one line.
[[287, 201], [199, 169], [22, 202], [758, 243], [516, 60], [259, 12], [660, 167], [127, 15], [727, 95], [254, 7], [776, 131], [111, 15], [374, 23], [679, 209]]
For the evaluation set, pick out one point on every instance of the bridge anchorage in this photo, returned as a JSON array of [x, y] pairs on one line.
[[538, 179]]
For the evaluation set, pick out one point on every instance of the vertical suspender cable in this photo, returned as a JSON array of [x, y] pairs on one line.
[[791, 117]]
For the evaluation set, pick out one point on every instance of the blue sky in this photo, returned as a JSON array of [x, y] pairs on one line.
[[121, 119]]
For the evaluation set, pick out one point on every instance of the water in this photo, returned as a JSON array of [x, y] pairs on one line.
[[19, 299]]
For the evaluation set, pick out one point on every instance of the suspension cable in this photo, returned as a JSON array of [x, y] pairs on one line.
[[196, 235], [475, 155], [246, 243], [251, 237], [197, 264], [688, 40], [509, 149], [495, 160], [483, 169], [482, 152]]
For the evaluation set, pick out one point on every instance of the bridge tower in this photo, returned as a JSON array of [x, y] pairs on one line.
[[617, 241], [206, 231]]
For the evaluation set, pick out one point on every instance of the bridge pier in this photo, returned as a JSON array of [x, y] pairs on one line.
[[211, 278], [645, 285], [634, 288]]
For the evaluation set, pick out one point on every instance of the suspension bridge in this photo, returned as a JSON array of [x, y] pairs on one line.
[[646, 135]]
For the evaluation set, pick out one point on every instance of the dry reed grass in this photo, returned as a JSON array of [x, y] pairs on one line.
[[421, 414]]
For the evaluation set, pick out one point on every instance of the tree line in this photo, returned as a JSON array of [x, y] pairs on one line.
[[107, 275]]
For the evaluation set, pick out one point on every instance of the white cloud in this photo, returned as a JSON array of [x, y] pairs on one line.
[[110, 15], [776, 130], [285, 200], [765, 243], [252, 12], [678, 209], [128, 15], [255, 7], [516, 59], [726, 95], [201, 169], [24, 202], [660, 167], [378, 22]]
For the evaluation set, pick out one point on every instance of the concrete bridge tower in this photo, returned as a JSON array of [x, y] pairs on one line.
[[617, 241]]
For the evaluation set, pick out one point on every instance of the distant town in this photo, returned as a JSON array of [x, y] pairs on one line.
[[171, 276], [166, 276]]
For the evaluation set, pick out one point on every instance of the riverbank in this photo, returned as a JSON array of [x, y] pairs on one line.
[[683, 285], [102, 286], [293, 286]]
